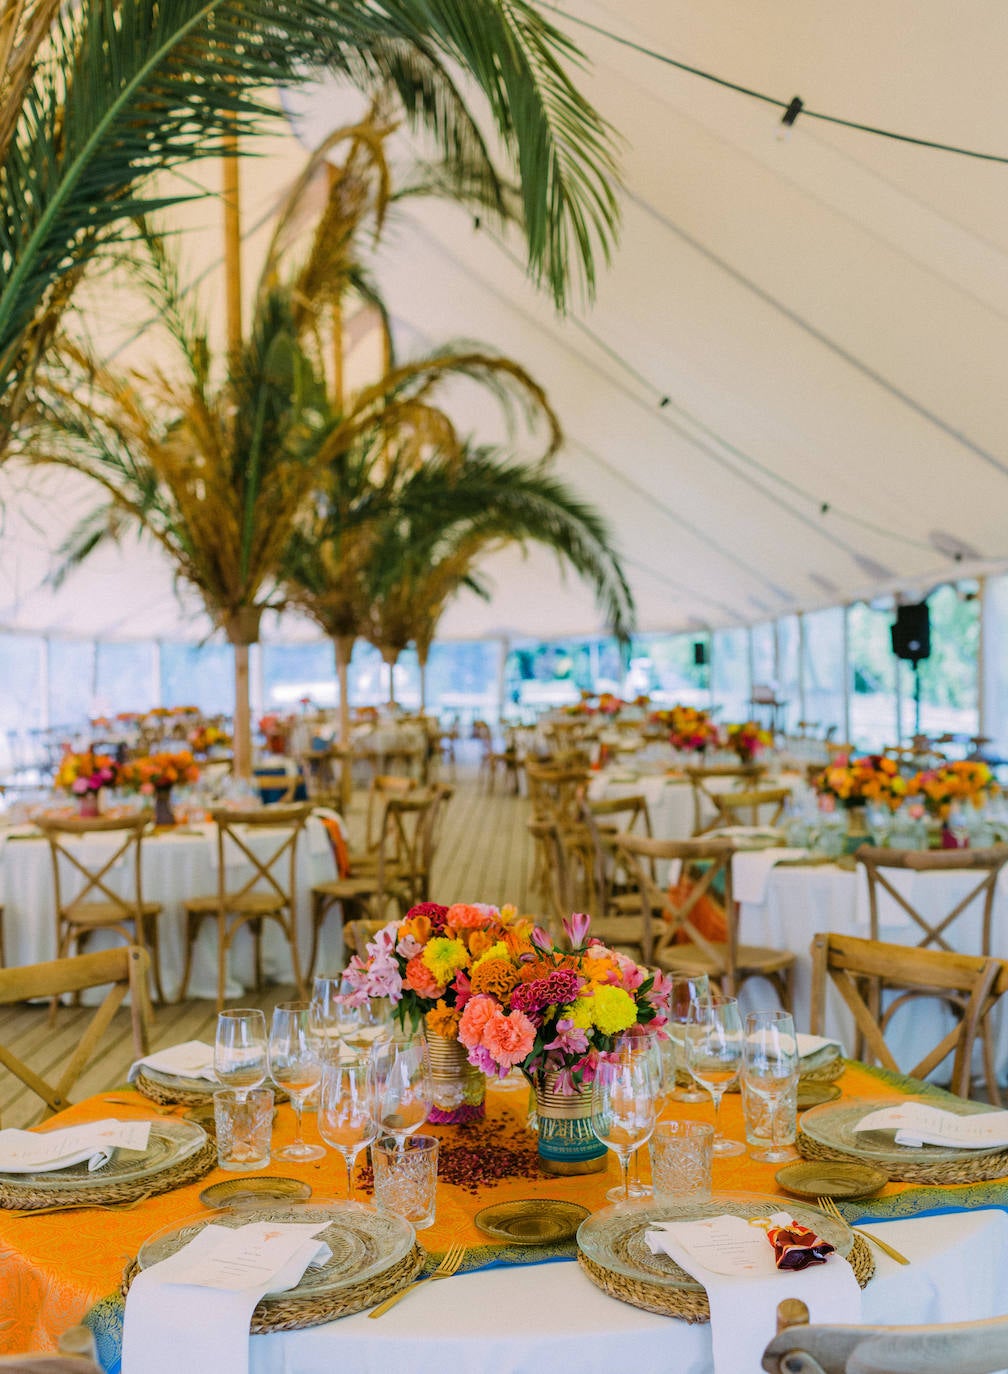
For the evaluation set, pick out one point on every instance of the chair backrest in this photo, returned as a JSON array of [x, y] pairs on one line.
[[858, 969], [383, 787], [409, 823], [553, 865], [744, 807], [706, 813], [704, 862], [125, 967], [555, 793], [603, 821], [965, 1347], [356, 935], [986, 864], [432, 827], [282, 825], [125, 835]]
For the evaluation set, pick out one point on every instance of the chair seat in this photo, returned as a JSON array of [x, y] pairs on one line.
[[255, 903], [751, 958], [107, 913]]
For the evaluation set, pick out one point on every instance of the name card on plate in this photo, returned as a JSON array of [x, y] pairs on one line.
[[916, 1124], [34, 1152]]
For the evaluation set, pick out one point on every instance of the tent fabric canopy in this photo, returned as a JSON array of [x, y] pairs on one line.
[[789, 391]]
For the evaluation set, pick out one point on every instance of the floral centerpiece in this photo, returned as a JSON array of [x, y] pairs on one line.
[[203, 738], [156, 774], [691, 730], [855, 782], [963, 782], [609, 704], [84, 774], [747, 740], [275, 729], [426, 965]]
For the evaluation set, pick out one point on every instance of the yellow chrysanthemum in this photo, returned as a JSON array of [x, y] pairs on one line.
[[444, 958], [613, 1010], [580, 1012], [499, 950]]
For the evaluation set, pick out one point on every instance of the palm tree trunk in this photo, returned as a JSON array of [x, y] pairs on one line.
[[343, 649], [242, 629], [391, 657], [423, 683]]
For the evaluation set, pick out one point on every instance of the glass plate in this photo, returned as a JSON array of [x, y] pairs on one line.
[[531, 1221], [833, 1124], [826, 1054], [175, 1080], [170, 1142], [614, 1238], [364, 1243]]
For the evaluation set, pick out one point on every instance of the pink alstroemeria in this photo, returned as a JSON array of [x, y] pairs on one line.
[[408, 946], [541, 938], [570, 1039], [576, 928]]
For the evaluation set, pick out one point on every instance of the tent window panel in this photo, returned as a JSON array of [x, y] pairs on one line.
[[872, 676], [21, 704], [462, 680], [824, 670], [124, 677], [673, 673], [949, 685], [198, 675], [730, 685], [71, 683], [291, 672], [789, 671]]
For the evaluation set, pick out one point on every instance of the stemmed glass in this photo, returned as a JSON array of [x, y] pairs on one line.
[[770, 1076], [347, 1111], [714, 1056], [366, 1023], [645, 1043], [240, 1050], [623, 1106], [295, 1066], [330, 1015], [404, 1088], [685, 989]]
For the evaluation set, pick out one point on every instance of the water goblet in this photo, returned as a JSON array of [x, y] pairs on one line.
[[294, 1065], [330, 1015], [770, 1068], [240, 1060], [623, 1106], [348, 1111], [366, 1023], [645, 1042], [685, 989], [714, 1056], [404, 1086]]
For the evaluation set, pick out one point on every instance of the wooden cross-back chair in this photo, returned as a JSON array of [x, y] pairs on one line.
[[400, 867], [282, 787], [680, 943], [744, 807], [126, 968], [861, 970], [384, 786], [553, 879], [966, 1347], [262, 897], [84, 892], [706, 811]]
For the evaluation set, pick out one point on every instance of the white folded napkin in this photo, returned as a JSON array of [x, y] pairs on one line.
[[808, 1045], [735, 1263], [916, 1124], [40, 1152], [194, 1309], [191, 1059], [751, 871]]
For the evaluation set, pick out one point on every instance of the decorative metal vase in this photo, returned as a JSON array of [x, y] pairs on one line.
[[163, 813], [857, 827], [88, 805], [567, 1143], [459, 1089]]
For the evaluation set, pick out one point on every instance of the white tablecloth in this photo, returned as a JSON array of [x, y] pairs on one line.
[[799, 902], [529, 1319], [175, 867]]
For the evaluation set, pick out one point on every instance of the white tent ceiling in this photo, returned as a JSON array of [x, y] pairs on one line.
[[789, 391]]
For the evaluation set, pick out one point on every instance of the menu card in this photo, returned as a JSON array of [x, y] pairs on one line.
[[39, 1152], [735, 1262], [194, 1309], [191, 1059], [916, 1124]]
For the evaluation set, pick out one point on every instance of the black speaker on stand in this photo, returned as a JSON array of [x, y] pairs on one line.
[[911, 641]]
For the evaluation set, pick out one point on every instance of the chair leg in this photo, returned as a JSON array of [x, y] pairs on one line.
[[193, 922], [291, 933], [990, 1068], [149, 940], [257, 934], [223, 944]]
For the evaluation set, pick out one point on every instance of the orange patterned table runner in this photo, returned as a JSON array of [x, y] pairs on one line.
[[54, 1268]]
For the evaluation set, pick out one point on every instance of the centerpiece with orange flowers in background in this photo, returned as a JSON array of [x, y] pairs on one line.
[[856, 782], [747, 740], [691, 730], [964, 782], [155, 775], [84, 774], [203, 739]]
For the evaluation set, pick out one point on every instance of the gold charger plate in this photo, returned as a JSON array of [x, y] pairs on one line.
[[813, 1094], [243, 1192], [532, 1221], [814, 1179]]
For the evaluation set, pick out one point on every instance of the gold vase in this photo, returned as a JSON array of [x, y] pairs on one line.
[[567, 1143], [459, 1089]]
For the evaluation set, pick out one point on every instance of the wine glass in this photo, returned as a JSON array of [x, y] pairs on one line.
[[769, 1084], [295, 1066], [714, 1056], [366, 1023], [685, 989], [330, 1015], [404, 1088], [240, 1050], [347, 1111], [623, 1106], [644, 1042]]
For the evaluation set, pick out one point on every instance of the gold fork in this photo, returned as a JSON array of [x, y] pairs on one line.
[[449, 1265], [828, 1206]]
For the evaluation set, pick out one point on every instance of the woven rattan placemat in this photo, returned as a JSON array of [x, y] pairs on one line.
[[27, 1196], [969, 1169]]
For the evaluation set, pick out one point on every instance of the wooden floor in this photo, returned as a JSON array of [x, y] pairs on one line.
[[485, 856]]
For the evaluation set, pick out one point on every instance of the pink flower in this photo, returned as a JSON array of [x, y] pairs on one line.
[[478, 1011], [576, 928], [570, 1039], [509, 1038], [409, 946], [470, 916], [481, 1058], [541, 938]]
